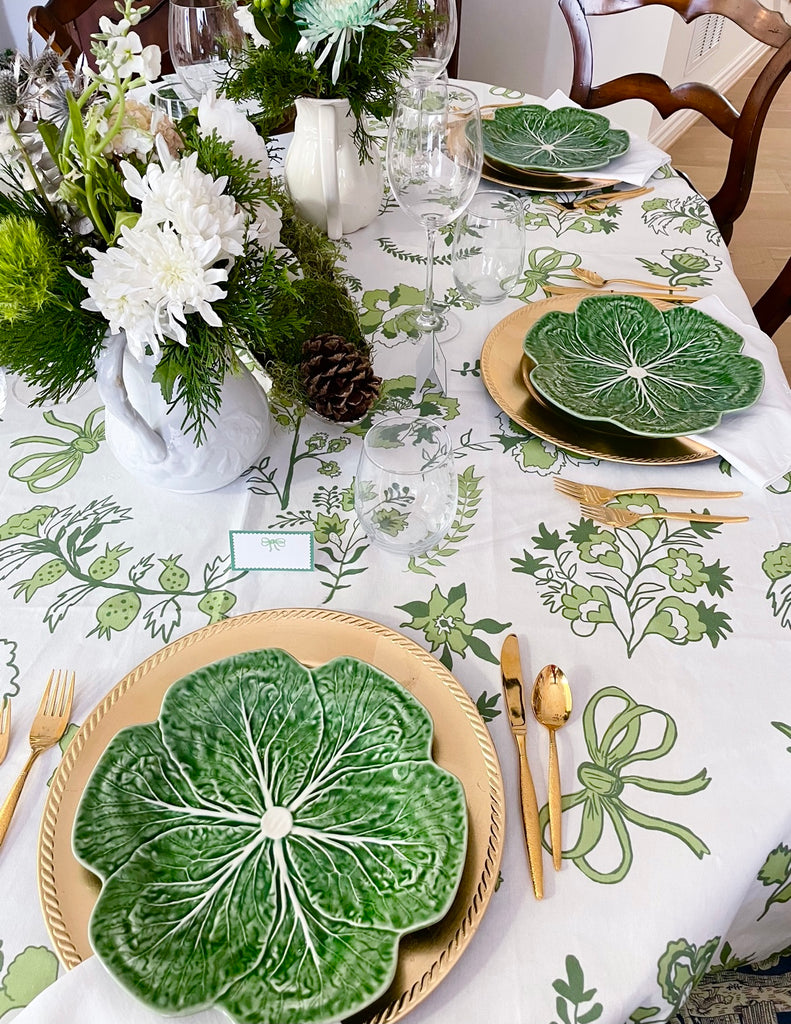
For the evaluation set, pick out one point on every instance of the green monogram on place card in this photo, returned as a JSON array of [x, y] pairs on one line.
[[273, 550]]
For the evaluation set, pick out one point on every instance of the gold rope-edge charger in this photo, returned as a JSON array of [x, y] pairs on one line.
[[502, 373], [462, 745]]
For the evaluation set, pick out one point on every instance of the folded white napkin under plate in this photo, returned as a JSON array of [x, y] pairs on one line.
[[635, 167], [757, 441]]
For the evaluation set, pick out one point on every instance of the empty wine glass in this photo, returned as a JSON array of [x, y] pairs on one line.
[[434, 160], [437, 31], [488, 247], [202, 36]]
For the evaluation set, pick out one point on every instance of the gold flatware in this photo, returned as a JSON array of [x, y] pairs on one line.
[[597, 281], [592, 494], [513, 690], [617, 517], [600, 202], [561, 289], [551, 703], [48, 726], [5, 727]]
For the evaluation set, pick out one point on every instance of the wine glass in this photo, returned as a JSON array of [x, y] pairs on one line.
[[437, 31], [434, 160], [202, 35]]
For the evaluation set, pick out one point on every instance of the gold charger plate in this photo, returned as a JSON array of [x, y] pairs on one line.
[[462, 745], [502, 370]]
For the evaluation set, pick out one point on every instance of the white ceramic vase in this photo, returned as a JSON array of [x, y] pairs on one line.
[[328, 184], [145, 433]]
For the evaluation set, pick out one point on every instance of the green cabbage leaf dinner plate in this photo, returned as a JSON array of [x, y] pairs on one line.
[[533, 138], [659, 374], [265, 843]]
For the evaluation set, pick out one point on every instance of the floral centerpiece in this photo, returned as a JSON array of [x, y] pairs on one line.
[[114, 219], [358, 50]]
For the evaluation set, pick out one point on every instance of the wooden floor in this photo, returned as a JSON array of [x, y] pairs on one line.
[[761, 241]]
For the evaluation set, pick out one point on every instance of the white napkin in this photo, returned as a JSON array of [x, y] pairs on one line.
[[87, 994], [757, 441], [638, 163]]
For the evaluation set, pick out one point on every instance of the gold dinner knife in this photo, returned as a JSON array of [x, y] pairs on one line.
[[513, 689]]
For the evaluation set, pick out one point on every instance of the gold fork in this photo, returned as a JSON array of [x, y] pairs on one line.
[[5, 727], [594, 495], [617, 517], [48, 726]]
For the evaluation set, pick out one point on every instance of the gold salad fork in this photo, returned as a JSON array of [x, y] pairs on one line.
[[5, 727], [592, 494], [48, 726], [618, 517]]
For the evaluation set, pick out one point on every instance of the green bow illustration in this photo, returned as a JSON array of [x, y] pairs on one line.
[[603, 785], [47, 469]]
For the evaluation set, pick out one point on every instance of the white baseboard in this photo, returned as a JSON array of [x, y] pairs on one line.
[[668, 131]]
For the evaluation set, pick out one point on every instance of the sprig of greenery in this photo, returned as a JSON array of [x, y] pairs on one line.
[[216, 158]]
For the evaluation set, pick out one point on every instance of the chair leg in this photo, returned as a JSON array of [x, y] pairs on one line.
[[774, 307]]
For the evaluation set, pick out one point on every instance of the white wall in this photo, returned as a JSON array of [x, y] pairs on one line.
[[13, 23]]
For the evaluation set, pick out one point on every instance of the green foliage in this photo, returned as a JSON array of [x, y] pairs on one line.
[[216, 158], [28, 265], [317, 255], [276, 76], [55, 348]]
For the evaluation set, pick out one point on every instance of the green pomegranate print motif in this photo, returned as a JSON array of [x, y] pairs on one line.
[[262, 478], [684, 267], [614, 746], [777, 567], [59, 460], [572, 996], [639, 582], [9, 670], [337, 534], [685, 215], [24, 977], [441, 621], [62, 546], [470, 493]]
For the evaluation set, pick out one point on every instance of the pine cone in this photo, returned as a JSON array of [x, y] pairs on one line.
[[339, 379]]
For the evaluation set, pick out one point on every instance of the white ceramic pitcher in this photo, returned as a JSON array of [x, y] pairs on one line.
[[145, 434], [329, 185]]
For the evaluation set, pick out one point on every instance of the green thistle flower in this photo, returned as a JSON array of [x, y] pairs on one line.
[[28, 266]]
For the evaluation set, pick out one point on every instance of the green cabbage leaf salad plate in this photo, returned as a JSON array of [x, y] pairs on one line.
[[659, 374], [265, 843], [568, 139]]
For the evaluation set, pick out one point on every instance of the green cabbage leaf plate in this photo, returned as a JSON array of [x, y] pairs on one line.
[[533, 138], [267, 841], [619, 359]]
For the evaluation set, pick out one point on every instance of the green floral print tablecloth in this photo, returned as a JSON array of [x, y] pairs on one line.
[[676, 638]]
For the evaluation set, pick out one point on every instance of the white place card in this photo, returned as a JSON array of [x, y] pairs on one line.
[[272, 550]]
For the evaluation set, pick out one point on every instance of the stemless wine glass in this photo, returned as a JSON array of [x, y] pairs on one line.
[[488, 247], [434, 161], [202, 36], [406, 490], [438, 26]]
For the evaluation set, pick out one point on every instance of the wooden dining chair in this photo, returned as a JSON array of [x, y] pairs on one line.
[[743, 127], [453, 63], [70, 23]]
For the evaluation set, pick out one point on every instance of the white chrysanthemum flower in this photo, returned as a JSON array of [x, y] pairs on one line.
[[265, 229], [149, 283], [336, 23], [194, 204], [244, 17], [224, 117]]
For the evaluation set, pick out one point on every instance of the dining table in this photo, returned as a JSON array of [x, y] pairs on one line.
[[675, 637]]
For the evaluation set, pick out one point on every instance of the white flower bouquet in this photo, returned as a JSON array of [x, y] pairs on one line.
[[114, 219]]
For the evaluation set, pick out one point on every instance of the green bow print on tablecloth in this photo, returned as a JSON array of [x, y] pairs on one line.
[[603, 785]]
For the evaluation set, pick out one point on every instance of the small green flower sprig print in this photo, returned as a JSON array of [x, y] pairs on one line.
[[636, 581], [442, 622], [572, 996]]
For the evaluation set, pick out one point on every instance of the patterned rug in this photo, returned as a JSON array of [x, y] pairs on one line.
[[754, 994]]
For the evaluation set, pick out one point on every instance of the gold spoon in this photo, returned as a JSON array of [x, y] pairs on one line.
[[552, 706], [597, 281]]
